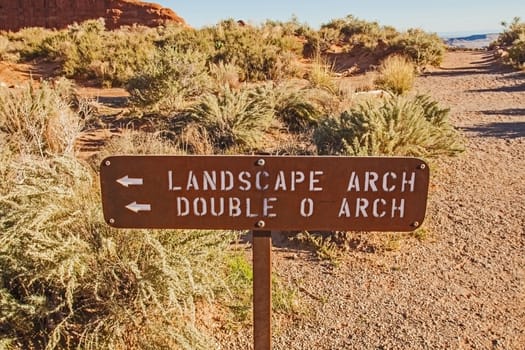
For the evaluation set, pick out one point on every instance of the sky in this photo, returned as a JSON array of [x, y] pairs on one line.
[[443, 16]]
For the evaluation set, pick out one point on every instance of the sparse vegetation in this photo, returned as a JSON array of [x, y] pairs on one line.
[[234, 118], [298, 108], [361, 37], [421, 47], [67, 279], [320, 75], [393, 126], [169, 81], [396, 75], [512, 39], [39, 120]]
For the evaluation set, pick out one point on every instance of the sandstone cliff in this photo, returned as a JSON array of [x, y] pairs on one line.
[[17, 14]]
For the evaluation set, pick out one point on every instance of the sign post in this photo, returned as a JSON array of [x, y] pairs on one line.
[[264, 193], [262, 290]]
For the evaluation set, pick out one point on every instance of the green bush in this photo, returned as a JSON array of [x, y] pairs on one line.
[[513, 39], [298, 108], [25, 44], [78, 47], [70, 281], [126, 52], [234, 117], [421, 47], [28, 42], [348, 32], [260, 56], [87, 50], [187, 39], [352, 30], [517, 53], [396, 75], [511, 32], [169, 80], [392, 126]]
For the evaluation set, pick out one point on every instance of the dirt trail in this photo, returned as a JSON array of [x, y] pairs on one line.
[[463, 285]]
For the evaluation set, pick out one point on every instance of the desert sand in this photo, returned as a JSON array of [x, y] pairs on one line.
[[461, 285]]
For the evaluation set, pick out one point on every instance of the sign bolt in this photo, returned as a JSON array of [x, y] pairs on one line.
[[107, 163], [422, 166], [415, 224], [261, 224], [112, 221], [260, 162]]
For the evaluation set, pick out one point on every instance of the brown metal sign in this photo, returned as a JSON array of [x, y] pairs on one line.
[[264, 192]]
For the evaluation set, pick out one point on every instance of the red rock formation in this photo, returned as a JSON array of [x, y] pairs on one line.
[[17, 14]]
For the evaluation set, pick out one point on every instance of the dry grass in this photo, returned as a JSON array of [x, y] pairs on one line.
[[39, 120], [396, 74], [69, 280], [321, 75]]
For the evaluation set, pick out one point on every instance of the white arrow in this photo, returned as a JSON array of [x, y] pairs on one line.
[[134, 207], [127, 181]]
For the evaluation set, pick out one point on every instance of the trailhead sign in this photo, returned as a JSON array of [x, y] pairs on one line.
[[264, 192]]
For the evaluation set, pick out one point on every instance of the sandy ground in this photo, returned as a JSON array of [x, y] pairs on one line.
[[462, 286]]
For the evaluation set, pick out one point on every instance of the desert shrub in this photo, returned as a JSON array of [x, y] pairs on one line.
[[225, 75], [396, 74], [187, 39], [258, 56], [353, 30], [87, 50], [391, 126], [291, 27], [126, 52], [134, 142], [513, 39], [283, 35], [320, 41], [169, 80], [78, 47], [7, 52], [39, 120], [70, 281], [194, 138], [511, 32], [298, 108], [320, 75], [25, 44], [348, 32], [4, 46], [28, 42], [516, 55], [421, 47], [234, 117]]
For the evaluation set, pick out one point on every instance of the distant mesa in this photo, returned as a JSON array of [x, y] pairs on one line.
[[58, 14], [476, 41]]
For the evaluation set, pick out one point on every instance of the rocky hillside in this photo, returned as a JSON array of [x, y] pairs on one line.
[[15, 15]]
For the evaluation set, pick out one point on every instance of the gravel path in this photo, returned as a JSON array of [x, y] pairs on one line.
[[463, 285]]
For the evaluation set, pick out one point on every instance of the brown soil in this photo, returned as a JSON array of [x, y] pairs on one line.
[[459, 283], [12, 74]]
